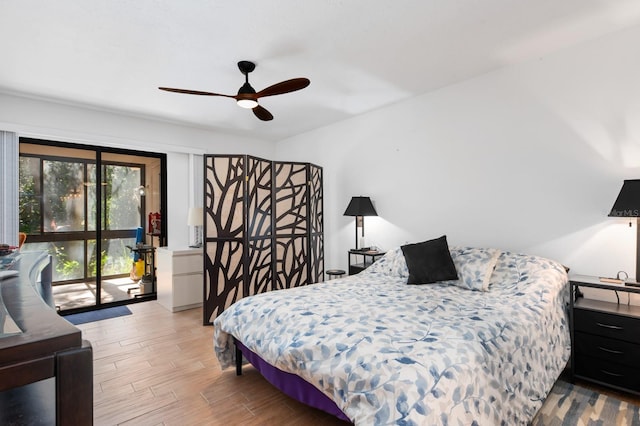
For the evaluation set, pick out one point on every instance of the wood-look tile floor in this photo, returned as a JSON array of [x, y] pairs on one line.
[[158, 368]]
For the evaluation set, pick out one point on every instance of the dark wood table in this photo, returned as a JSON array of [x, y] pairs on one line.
[[46, 368]]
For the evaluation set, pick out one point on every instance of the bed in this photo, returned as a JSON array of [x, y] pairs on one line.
[[486, 347]]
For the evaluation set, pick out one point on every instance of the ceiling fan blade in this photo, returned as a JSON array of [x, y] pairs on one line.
[[262, 113], [284, 87], [194, 92]]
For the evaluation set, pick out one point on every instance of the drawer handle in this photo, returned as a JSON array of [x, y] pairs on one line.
[[611, 351], [612, 374], [613, 327]]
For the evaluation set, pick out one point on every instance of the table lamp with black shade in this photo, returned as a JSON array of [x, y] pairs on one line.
[[360, 207], [628, 205]]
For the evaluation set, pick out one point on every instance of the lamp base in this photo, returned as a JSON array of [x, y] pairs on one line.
[[197, 241]]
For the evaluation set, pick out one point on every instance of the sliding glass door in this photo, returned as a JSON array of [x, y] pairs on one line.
[[85, 206], [122, 210]]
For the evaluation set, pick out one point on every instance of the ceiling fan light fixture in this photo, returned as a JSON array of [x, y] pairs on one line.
[[247, 103], [246, 96]]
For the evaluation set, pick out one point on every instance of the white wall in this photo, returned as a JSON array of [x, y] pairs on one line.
[[60, 122], [528, 158]]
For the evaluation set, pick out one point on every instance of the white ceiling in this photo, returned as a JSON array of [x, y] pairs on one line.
[[358, 54]]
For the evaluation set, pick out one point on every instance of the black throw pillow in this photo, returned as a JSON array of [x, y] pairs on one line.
[[429, 261]]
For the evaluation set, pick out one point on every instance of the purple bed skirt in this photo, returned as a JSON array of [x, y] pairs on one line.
[[292, 385]]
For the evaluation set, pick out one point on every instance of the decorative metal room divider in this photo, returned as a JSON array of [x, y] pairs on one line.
[[263, 228], [316, 223]]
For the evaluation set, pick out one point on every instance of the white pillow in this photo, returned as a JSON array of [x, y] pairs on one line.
[[474, 267], [391, 264]]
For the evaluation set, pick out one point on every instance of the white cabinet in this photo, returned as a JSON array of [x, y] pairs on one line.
[[179, 275]]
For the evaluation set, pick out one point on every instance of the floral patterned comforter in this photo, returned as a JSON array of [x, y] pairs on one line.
[[391, 353]]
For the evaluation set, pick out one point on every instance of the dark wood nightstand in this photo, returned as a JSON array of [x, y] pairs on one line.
[[605, 336], [359, 260]]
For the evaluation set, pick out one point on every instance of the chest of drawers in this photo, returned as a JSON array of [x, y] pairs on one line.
[[605, 338], [180, 278]]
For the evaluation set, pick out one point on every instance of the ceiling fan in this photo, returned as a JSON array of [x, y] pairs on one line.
[[247, 97]]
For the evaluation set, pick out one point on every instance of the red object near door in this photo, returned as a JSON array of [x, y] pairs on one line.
[[154, 223]]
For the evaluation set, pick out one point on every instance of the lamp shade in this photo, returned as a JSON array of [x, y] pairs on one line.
[[195, 216], [360, 206], [628, 202]]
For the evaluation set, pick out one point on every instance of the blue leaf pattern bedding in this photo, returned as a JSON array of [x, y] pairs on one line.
[[391, 353]]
